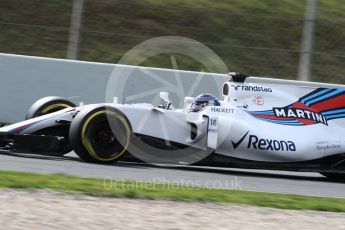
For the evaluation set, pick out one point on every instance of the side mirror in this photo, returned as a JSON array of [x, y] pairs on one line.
[[187, 102], [164, 96]]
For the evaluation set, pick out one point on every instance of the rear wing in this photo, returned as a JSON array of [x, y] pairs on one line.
[[242, 78]]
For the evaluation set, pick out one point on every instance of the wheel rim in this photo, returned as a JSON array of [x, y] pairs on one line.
[[53, 108], [98, 137]]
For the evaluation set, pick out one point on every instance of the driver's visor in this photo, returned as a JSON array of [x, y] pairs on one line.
[[197, 106]]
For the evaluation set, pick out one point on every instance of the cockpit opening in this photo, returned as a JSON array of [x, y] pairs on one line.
[[202, 101]]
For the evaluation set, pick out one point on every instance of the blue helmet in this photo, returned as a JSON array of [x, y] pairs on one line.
[[202, 101]]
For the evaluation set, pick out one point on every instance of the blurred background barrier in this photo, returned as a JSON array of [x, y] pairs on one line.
[[286, 39], [25, 79]]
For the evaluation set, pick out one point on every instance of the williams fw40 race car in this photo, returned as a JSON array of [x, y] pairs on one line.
[[259, 123]]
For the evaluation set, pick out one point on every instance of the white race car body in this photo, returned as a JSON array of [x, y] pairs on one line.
[[272, 123]]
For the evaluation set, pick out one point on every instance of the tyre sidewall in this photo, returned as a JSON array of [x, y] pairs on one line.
[[83, 120], [46, 103]]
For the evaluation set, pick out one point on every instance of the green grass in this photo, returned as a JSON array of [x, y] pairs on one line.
[[260, 37], [131, 189]]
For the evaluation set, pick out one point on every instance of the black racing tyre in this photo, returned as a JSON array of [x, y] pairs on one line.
[[100, 134], [48, 105], [340, 177]]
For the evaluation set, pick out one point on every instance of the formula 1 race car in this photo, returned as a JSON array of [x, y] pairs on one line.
[[260, 123]]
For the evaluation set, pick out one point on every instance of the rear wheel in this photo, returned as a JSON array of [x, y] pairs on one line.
[[49, 105], [334, 176], [100, 134]]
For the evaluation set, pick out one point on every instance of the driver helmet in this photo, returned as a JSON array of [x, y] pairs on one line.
[[202, 101]]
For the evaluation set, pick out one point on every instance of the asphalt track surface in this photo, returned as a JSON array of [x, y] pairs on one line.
[[229, 178]]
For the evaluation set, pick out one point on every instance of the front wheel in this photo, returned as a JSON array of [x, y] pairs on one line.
[[46, 106], [100, 134]]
